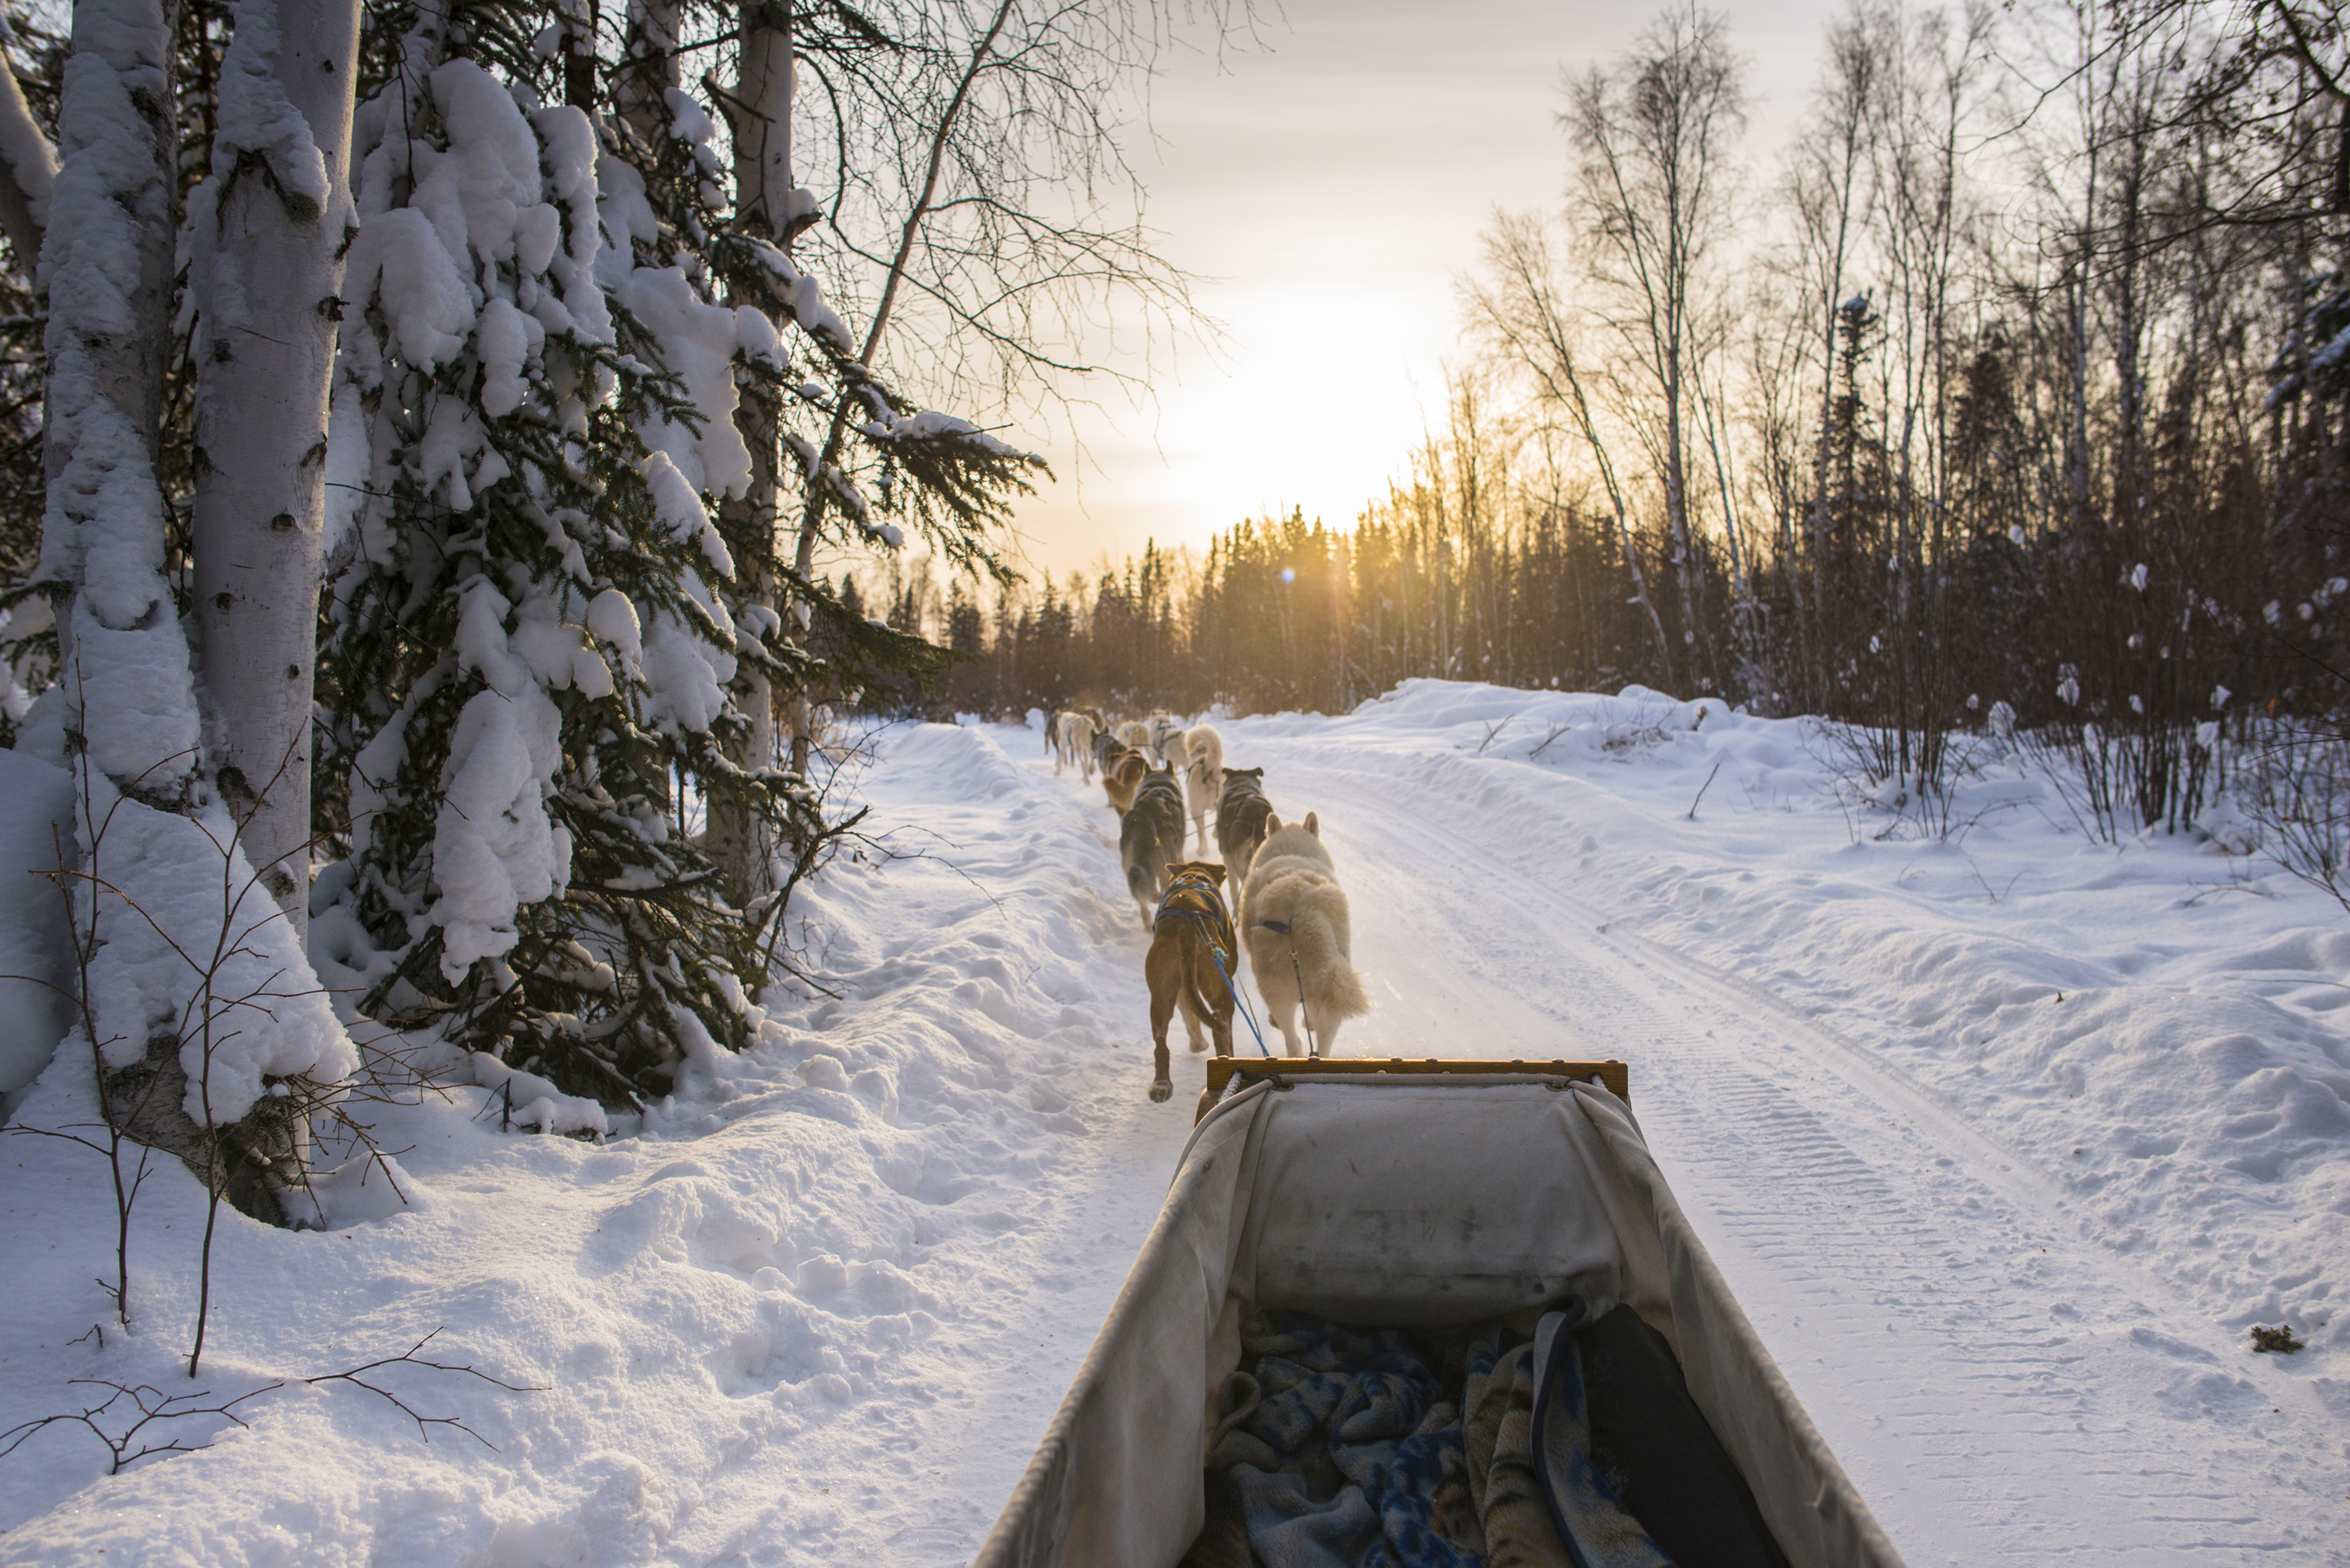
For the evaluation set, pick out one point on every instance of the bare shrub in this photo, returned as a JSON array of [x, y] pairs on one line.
[[2296, 788]]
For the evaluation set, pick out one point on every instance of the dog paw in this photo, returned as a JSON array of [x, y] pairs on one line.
[[1160, 1091]]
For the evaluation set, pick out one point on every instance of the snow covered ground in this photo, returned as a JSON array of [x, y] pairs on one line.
[[2003, 1143]]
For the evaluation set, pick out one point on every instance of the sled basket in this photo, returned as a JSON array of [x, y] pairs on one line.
[[1418, 1195]]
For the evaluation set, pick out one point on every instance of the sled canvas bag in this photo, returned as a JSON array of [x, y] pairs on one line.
[[1422, 1202]]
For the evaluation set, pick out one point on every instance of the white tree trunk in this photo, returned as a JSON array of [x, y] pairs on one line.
[[28, 167], [268, 270], [107, 250], [738, 842], [763, 120], [127, 687]]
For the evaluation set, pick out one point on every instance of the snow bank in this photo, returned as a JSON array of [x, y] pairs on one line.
[[2158, 1028], [818, 1309]]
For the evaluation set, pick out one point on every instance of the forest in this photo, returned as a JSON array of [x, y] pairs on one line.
[[2009, 397], [422, 424]]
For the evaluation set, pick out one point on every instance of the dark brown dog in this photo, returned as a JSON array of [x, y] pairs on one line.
[[1150, 840], [1122, 774], [1241, 813], [1192, 951]]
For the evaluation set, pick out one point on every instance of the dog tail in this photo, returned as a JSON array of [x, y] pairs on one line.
[[1203, 1003], [1141, 883], [1339, 984]]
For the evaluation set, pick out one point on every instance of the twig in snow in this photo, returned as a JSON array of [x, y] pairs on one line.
[[1491, 731], [152, 1404], [1702, 788], [409, 1358], [1977, 872]]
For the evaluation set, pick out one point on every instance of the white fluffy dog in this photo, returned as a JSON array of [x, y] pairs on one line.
[[1073, 739], [1203, 777], [1134, 732], [1299, 940]]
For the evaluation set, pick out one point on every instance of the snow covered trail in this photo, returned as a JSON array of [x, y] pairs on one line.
[[2000, 1181], [2005, 1381], [2002, 1384]]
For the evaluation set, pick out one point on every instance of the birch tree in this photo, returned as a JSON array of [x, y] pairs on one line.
[[1832, 201], [1650, 196], [196, 999], [29, 168], [767, 207], [124, 661], [1517, 304], [269, 231]]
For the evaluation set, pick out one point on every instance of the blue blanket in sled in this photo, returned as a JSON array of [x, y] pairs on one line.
[[1345, 1453], [1339, 1448]]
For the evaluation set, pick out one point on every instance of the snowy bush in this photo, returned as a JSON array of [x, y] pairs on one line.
[[527, 654], [559, 596]]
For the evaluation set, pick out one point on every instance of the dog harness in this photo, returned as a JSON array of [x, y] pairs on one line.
[[1192, 896], [1282, 927]]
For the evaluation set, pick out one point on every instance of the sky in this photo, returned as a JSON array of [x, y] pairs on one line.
[[1328, 183]]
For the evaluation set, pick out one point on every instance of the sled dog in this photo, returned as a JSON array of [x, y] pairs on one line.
[[1122, 775], [1241, 812], [1192, 952], [1202, 750], [1073, 742], [1295, 917], [1151, 839], [1166, 733], [1136, 734]]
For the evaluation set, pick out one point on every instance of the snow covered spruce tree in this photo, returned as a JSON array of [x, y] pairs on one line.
[[538, 629]]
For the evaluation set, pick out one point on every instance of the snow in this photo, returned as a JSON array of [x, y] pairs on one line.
[[801, 298], [194, 945], [424, 293], [679, 506], [698, 341], [819, 1305], [255, 118], [494, 849]]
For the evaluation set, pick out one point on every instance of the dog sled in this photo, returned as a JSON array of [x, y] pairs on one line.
[[1424, 1198]]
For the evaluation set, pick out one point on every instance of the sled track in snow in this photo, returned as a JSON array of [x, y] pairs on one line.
[[2002, 1388]]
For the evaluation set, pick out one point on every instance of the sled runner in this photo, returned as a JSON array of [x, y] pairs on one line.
[[1425, 1197]]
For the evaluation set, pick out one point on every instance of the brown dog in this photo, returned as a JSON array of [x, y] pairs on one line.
[[1192, 951], [1122, 774]]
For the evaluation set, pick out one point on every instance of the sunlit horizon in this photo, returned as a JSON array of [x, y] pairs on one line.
[[1268, 180]]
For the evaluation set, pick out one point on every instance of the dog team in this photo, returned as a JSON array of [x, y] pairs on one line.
[[1292, 913]]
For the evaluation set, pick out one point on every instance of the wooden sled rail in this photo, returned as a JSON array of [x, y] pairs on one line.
[[1613, 1075]]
